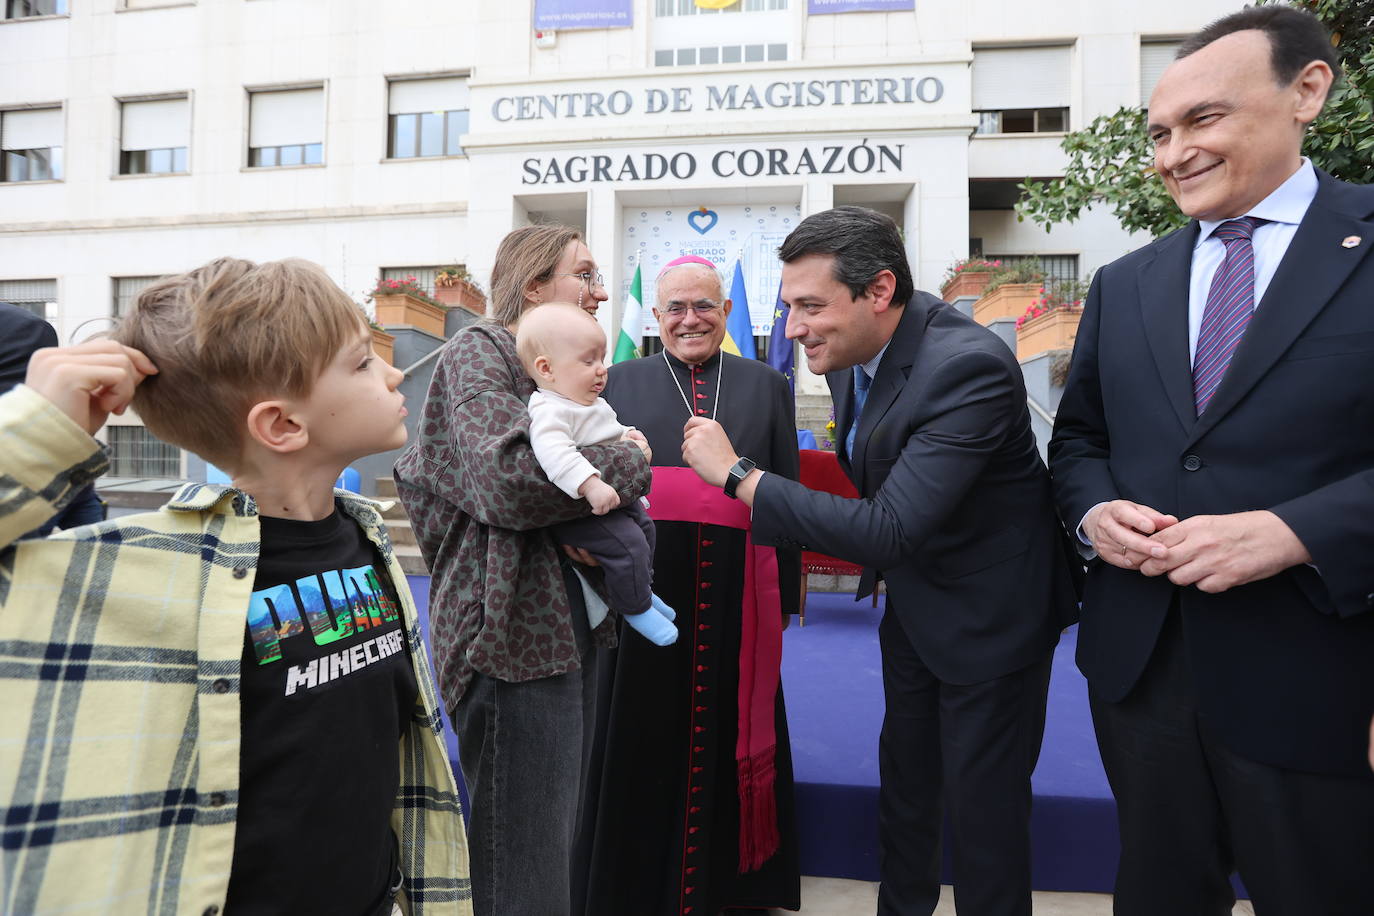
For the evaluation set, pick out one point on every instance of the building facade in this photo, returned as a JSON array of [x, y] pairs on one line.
[[144, 137]]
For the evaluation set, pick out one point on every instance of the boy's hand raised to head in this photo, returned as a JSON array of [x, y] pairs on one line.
[[91, 381]]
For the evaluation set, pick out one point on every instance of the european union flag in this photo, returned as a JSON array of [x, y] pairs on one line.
[[782, 353]]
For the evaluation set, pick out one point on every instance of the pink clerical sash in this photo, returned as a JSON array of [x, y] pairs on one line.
[[679, 495]]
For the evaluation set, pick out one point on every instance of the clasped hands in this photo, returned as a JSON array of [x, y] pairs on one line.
[[1213, 552]]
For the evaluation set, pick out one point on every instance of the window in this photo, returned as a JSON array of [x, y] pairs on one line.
[[725, 54], [427, 117], [424, 276], [285, 127], [1023, 121], [689, 7], [31, 143], [1058, 267], [38, 296], [135, 452], [23, 9], [685, 37], [154, 136], [126, 290], [1154, 57], [1021, 90]]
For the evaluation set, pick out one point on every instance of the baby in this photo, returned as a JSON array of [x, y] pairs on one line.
[[563, 349]]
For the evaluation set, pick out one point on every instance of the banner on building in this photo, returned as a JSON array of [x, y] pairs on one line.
[[583, 14], [727, 234], [821, 7]]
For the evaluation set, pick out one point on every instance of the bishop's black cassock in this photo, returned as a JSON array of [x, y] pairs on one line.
[[667, 825]]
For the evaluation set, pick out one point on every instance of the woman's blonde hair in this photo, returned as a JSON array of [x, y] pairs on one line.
[[228, 335], [526, 257]]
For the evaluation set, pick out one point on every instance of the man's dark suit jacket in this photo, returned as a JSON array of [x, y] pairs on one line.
[[21, 332], [1283, 668], [956, 515]]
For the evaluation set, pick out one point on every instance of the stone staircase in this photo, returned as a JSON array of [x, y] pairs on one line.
[[813, 412], [398, 528]]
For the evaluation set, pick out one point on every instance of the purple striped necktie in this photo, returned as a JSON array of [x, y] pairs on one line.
[[1230, 303]]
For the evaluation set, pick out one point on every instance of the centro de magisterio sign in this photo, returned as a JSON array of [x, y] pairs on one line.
[[811, 93]]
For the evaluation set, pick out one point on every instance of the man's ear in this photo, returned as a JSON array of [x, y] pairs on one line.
[[273, 426], [1312, 84], [881, 288], [726, 306]]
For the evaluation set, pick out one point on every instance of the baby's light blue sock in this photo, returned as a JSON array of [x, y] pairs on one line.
[[657, 604], [653, 626]]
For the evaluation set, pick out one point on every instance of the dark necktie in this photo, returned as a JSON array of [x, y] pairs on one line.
[[861, 385], [1230, 303]]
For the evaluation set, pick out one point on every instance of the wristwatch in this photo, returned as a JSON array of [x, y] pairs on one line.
[[737, 473]]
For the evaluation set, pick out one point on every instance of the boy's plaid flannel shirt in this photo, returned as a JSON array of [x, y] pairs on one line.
[[119, 695]]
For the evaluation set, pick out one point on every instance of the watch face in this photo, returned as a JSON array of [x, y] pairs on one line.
[[737, 473]]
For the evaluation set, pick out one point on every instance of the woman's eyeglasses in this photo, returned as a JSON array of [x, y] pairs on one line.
[[589, 277]]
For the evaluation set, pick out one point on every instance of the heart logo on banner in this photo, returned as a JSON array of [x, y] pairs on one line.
[[702, 215]]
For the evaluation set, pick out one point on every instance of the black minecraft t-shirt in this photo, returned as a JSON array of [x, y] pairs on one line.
[[328, 689]]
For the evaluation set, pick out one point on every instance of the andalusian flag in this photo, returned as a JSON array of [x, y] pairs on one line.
[[715, 4], [628, 344], [739, 328]]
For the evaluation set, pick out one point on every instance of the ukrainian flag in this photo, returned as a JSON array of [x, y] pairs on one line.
[[739, 330], [715, 4]]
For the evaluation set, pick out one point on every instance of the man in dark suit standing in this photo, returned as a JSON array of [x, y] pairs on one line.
[[1215, 448], [956, 517]]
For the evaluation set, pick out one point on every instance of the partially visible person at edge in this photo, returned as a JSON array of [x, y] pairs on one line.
[[955, 516], [21, 333], [682, 768], [1215, 450], [515, 658]]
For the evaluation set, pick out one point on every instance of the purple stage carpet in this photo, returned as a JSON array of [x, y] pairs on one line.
[[832, 677]]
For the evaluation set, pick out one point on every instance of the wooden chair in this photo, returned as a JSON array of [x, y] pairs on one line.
[[820, 470]]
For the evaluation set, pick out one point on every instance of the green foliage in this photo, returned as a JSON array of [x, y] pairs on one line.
[[970, 266], [1023, 270], [1111, 163]]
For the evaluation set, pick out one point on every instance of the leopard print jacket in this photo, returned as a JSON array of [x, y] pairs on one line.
[[481, 506]]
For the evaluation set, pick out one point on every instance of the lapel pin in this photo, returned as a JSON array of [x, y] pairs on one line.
[[1350, 241]]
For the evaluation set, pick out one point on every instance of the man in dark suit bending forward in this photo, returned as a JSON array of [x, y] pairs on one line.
[[955, 516]]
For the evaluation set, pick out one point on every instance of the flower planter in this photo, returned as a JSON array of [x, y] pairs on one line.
[[463, 294], [384, 345], [1010, 300], [1054, 330], [394, 308], [965, 284]]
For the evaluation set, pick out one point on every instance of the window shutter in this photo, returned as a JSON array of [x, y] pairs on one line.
[[160, 124], [286, 118], [1154, 57], [423, 96], [1007, 78], [31, 128]]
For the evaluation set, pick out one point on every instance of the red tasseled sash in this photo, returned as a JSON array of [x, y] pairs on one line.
[[679, 495]]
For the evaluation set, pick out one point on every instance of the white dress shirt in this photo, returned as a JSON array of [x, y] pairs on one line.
[[1283, 210]]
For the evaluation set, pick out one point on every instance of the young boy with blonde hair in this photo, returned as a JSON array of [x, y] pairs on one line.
[[225, 703], [564, 351]]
